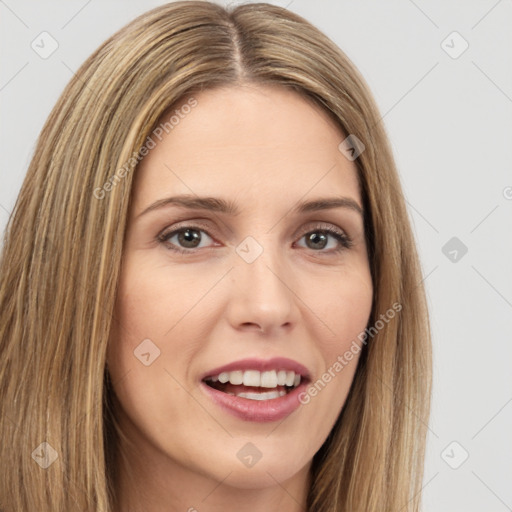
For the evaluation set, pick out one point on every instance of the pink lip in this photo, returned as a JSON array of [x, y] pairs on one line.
[[258, 410], [276, 363]]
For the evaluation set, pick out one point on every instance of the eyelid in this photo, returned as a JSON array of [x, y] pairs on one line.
[[320, 225]]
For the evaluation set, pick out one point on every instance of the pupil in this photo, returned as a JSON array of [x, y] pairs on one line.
[[190, 237], [315, 238]]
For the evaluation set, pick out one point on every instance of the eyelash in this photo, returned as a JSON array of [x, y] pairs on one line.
[[344, 240]]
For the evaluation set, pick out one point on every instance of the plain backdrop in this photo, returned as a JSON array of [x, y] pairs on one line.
[[441, 73]]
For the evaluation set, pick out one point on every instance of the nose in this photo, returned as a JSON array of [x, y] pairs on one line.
[[262, 297]]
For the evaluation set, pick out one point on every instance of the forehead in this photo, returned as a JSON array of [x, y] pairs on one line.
[[255, 141]]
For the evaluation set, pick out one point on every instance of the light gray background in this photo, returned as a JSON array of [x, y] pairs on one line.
[[450, 124]]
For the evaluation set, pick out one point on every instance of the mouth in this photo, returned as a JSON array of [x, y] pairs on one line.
[[255, 385], [257, 390]]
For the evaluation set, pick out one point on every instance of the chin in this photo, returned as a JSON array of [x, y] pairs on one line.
[[260, 476], [259, 473]]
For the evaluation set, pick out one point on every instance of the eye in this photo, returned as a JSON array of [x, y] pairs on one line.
[[318, 239], [188, 238]]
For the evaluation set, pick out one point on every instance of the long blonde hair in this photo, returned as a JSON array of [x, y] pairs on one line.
[[62, 251]]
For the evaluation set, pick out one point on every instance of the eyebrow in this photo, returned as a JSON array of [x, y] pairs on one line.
[[229, 207]]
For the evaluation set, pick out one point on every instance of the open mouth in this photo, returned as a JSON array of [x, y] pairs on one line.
[[255, 385]]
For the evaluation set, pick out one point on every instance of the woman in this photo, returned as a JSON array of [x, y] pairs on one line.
[[179, 334]]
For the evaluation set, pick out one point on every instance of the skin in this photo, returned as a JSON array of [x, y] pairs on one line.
[[267, 149]]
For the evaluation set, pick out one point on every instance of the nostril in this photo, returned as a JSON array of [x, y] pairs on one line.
[[253, 326]]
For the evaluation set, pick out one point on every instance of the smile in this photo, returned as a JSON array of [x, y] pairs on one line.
[[257, 390], [255, 385]]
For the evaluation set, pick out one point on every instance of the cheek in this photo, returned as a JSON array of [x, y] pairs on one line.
[[346, 313], [147, 305], [141, 365], [345, 307], [135, 317], [154, 305]]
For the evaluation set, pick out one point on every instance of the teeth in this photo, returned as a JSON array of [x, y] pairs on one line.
[[252, 378], [236, 377], [268, 379], [268, 395], [223, 377]]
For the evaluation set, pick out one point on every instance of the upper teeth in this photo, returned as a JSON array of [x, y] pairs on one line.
[[268, 379]]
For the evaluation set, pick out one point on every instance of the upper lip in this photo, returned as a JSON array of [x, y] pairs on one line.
[[276, 363]]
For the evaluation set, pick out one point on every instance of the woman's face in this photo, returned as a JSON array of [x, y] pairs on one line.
[[259, 296]]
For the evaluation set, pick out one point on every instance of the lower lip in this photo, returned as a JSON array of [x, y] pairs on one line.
[[256, 410]]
